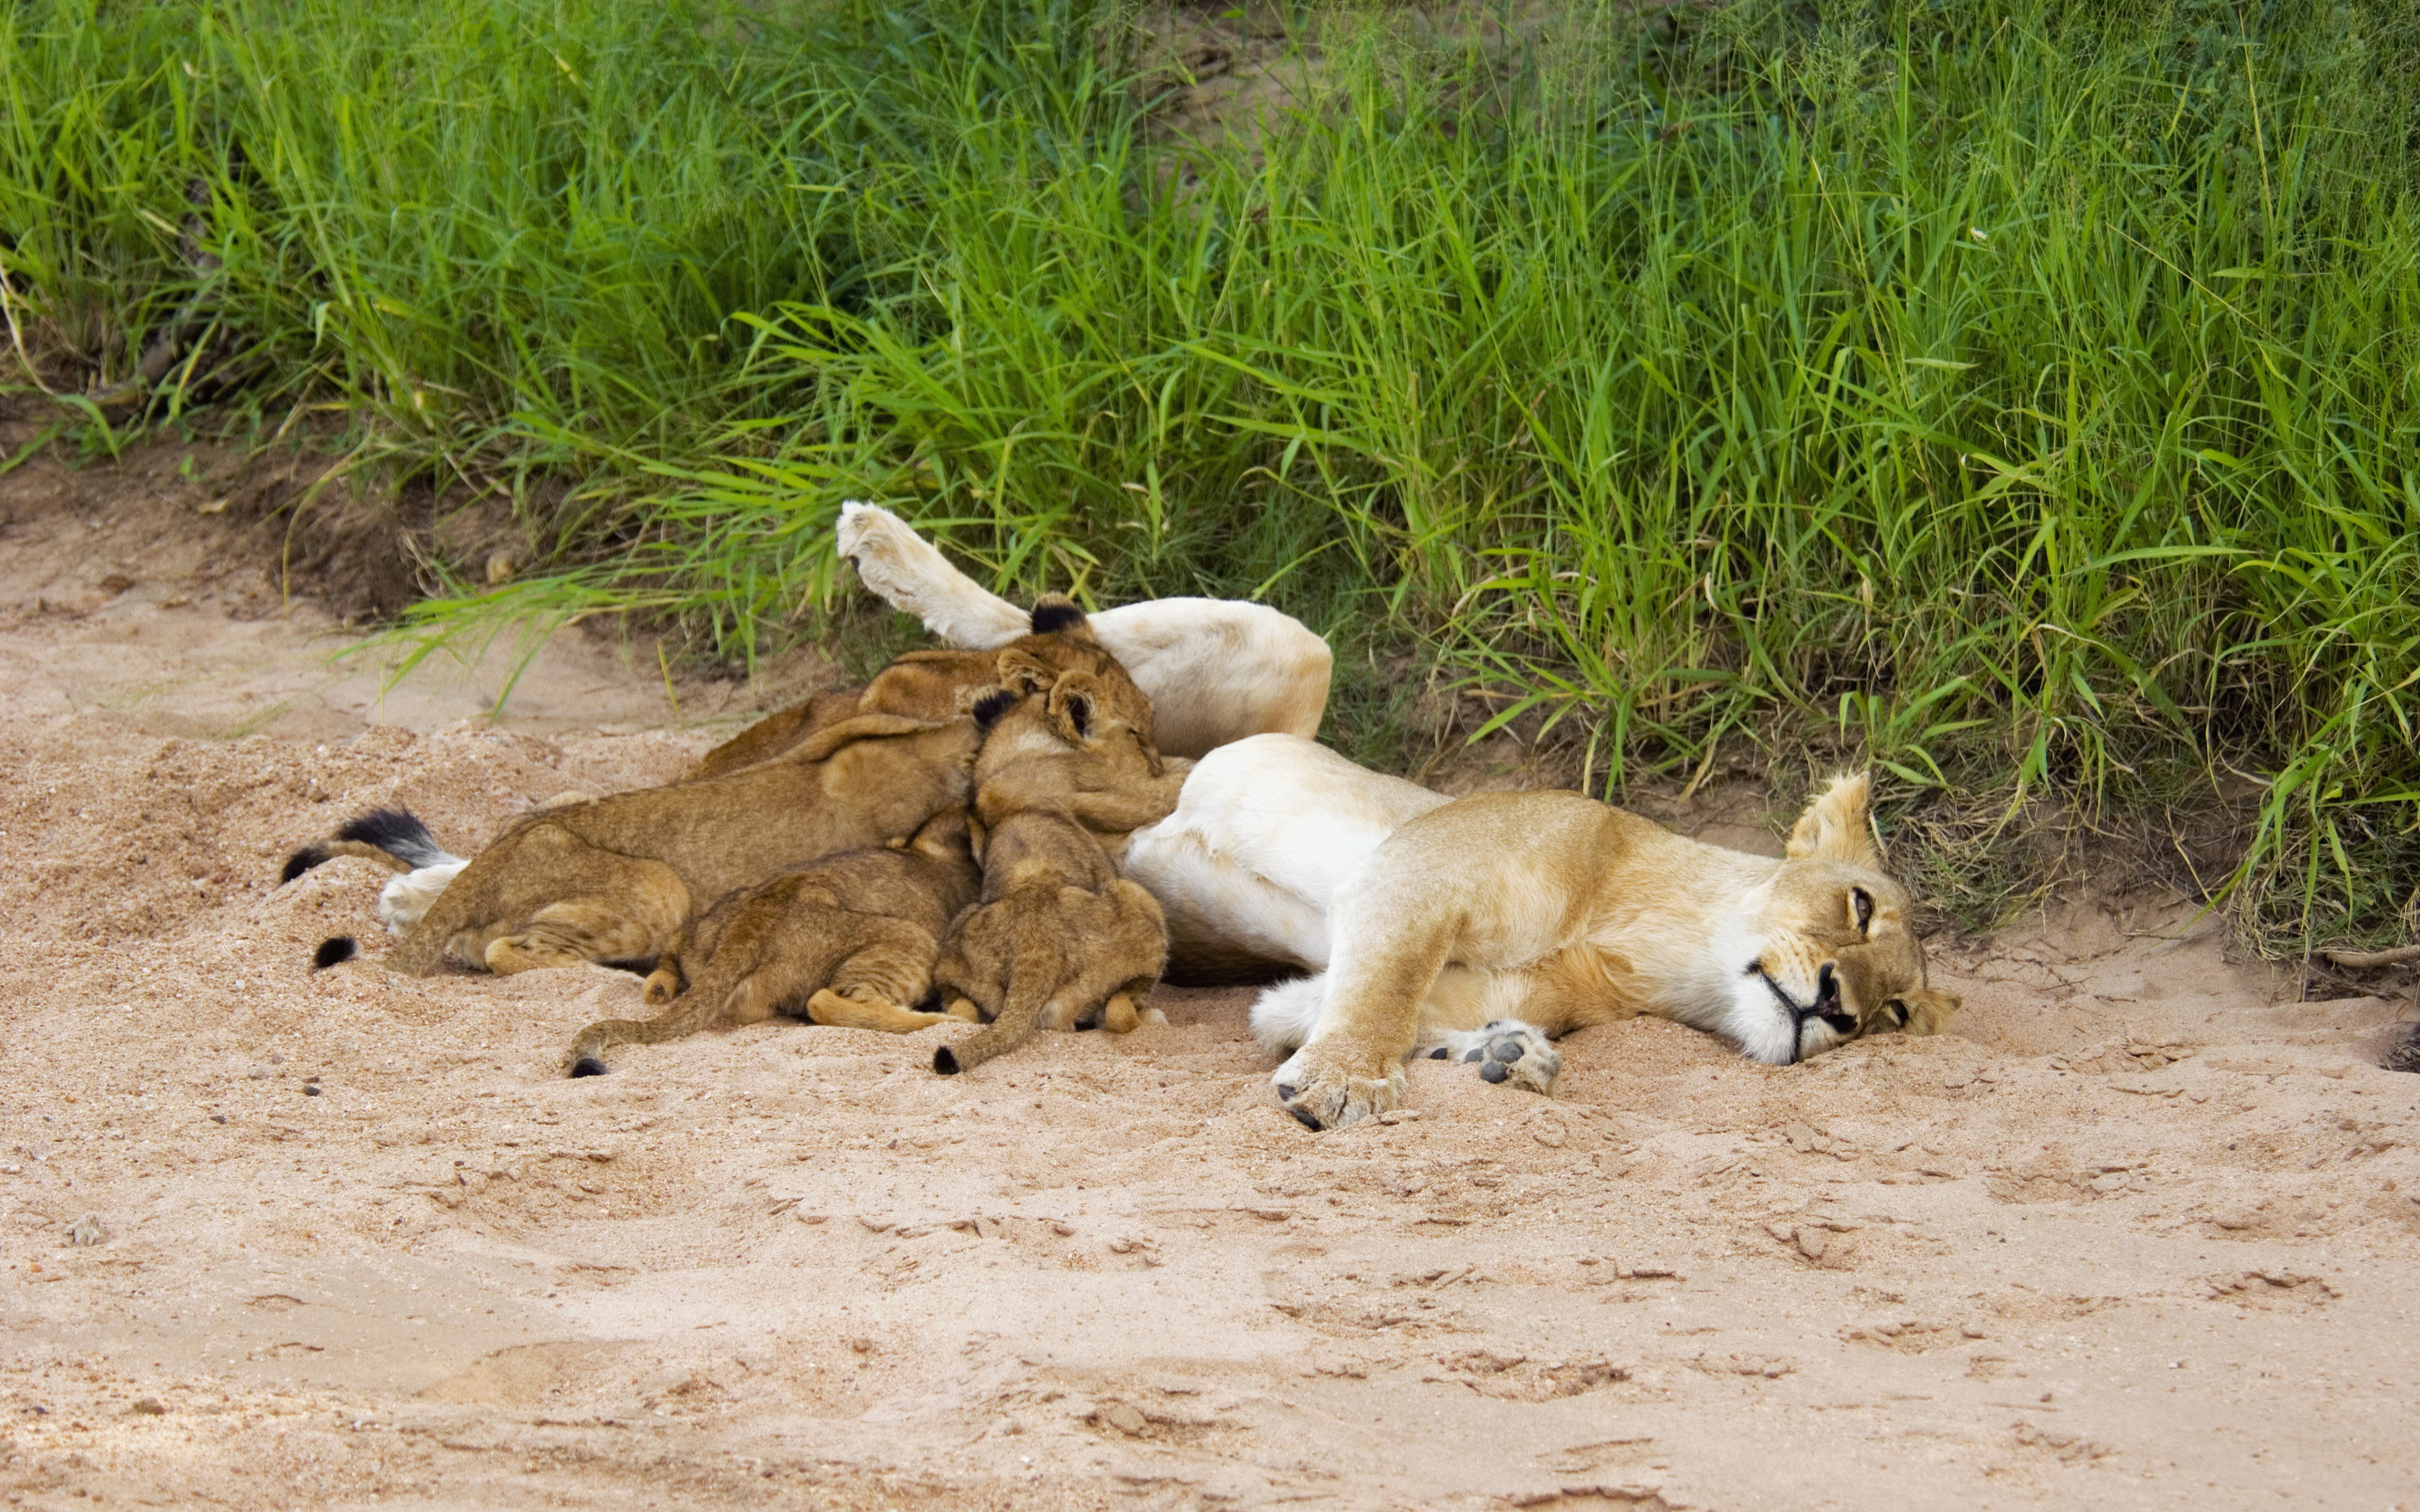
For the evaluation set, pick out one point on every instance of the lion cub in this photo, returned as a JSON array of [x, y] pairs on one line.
[[611, 879], [936, 684], [1058, 940], [844, 941]]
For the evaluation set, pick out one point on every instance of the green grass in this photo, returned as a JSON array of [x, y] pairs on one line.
[[2025, 396]]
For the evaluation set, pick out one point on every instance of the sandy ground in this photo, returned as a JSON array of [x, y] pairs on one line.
[[2140, 1234]]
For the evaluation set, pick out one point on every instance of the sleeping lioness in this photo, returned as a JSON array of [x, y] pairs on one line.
[[1444, 916], [1491, 924]]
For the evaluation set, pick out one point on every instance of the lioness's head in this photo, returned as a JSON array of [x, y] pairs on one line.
[[1838, 954]]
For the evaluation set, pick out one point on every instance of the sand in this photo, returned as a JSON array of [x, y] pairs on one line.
[[2138, 1233]]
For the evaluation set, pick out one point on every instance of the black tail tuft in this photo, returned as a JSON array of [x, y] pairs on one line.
[[399, 833], [331, 951], [1056, 613], [989, 708], [944, 1063], [301, 862], [588, 1066]]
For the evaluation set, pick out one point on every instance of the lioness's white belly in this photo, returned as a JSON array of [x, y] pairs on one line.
[[1265, 831]]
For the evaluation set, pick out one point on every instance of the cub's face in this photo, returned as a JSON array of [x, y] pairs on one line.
[[1837, 956], [1059, 690]]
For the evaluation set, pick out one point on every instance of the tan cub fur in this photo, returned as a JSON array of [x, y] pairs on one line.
[[936, 684], [1058, 937], [612, 879], [848, 941], [1556, 911]]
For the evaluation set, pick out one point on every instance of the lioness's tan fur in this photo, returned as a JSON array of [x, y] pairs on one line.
[[849, 940], [1058, 937], [612, 879], [1555, 910]]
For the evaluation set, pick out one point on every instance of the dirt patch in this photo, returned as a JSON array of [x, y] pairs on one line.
[[2138, 1233]]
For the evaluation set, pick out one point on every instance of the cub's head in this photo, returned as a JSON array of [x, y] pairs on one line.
[[1060, 688], [1078, 714], [1838, 954]]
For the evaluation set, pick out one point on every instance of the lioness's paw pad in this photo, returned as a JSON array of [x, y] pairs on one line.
[[1505, 1051], [1320, 1098]]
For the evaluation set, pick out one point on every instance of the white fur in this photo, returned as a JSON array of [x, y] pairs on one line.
[[1265, 833], [403, 901], [1215, 669]]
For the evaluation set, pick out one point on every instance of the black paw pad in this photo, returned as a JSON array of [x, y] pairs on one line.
[[1475, 1054], [1505, 1050], [588, 1066], [1493, 1071], [1284, 1092], [332, 951], [1305, 1119], [1440, 1053]]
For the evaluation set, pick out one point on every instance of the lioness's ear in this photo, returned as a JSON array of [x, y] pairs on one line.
[[1057, 614], [1834, 828]]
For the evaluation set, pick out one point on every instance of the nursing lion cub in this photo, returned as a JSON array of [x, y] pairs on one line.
[[612, 879], [936, 684], [1057, 939], [1500, 921], [846, 941]]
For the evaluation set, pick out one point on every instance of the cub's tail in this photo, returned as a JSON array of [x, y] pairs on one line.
[[393, 837], [1032, 978]]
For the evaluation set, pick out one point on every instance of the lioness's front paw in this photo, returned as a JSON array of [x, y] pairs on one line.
[[1321, 1092], [1506, 1051]]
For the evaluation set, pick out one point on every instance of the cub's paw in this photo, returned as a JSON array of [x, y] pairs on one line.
[[1505, 1051], [1322, 1094]]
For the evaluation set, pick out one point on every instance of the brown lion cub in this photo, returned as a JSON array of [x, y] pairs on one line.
[[1058, 939], [936, 684], [612, 879], [844, 941]]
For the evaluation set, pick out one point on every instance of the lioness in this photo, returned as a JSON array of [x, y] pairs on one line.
[[846, 941], [612, 879], [1503, 919], [1603, 915], [1057, 938]]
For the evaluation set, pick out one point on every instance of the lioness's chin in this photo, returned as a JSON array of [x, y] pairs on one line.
[[1765, 1031]]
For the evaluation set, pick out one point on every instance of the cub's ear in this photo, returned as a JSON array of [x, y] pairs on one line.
[[1021, 672], [1073, 698], [1057, 614], [1835, 827]]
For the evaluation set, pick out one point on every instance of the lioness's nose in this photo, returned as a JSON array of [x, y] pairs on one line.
[[1827, 985]]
